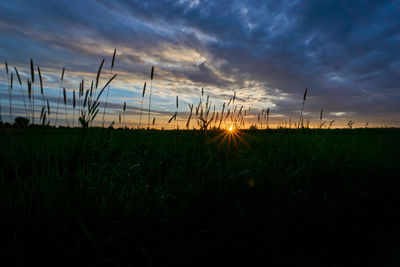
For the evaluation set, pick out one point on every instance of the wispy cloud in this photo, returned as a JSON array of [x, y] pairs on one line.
[[345, 52]]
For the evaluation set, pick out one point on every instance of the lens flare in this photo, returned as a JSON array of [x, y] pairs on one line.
[[230, 136]]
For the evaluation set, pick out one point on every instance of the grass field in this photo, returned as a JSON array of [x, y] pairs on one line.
[[155, 198]]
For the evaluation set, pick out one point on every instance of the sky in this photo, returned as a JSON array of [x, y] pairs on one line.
[[345, 52]]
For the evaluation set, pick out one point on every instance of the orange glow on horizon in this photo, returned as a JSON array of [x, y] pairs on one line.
[[230, 136]]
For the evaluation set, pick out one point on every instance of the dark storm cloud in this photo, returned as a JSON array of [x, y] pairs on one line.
[[345, 52]]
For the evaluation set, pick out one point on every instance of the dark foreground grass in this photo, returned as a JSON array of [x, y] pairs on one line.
[[156, 198]]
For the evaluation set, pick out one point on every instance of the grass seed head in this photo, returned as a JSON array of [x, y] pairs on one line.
[[62, 74], [19, 77], [144, 89], [41, 80], [32, 72], [91, 89], [28, 82], [48, 107], [305, 95], [98, 73], [41, 113], [113, 59], [73, 99], [65, 96]]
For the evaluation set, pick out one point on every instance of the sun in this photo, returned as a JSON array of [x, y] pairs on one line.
[[231, 136]]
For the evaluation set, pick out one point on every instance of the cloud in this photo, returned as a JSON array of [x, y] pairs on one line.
[[345, 52]]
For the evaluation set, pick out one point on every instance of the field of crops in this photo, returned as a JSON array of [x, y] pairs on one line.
[[282, 197]]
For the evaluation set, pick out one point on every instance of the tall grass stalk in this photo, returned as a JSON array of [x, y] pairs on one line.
[[108, 88], [90, 101], [190, 116], [73, 108], [222, 116], [48, 109], [177, 106], [8, 86], [41, 84], [123, 118], [151, 87], [80, 94], [10, 94], [320, 119], [302, 109], [33, 91], [6, 66], [141, 107], [22, 91], [59, 94], [42, 93], [65, 105], [98, 77], [29, 85], [85, 101]]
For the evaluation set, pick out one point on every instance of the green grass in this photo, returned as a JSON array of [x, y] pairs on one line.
[[132, 197]]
